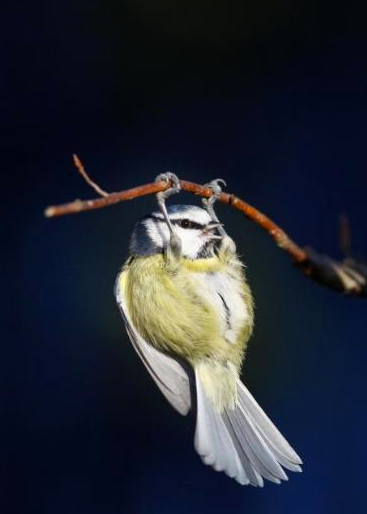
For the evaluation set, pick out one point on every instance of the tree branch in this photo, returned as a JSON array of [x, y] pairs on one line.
[[348, 276]]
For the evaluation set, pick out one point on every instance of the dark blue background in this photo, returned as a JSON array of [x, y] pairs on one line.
[[270, 96]]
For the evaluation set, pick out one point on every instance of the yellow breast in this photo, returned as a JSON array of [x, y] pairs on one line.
[[179, 312]]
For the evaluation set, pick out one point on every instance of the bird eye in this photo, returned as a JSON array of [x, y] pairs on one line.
[[185, 223]]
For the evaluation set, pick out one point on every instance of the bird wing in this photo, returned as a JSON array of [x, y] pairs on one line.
[[167, 372]]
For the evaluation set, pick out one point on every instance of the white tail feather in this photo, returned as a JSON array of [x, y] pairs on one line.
[[267, 427], [242, 442], [212, 440]]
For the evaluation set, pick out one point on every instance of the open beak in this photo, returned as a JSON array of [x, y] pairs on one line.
[[211, 227]]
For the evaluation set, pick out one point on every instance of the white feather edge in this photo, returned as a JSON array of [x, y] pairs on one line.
[[213, 441], [242, 442], [284, 452], [168, 374]]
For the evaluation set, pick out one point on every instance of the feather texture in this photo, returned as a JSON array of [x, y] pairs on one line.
[[213, 441], [283, 451], [173, 311], [169, 375], [241, 441]]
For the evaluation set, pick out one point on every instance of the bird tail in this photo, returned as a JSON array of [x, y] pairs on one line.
[[240, 439]]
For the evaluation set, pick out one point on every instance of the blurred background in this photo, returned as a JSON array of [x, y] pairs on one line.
[[271, 96]]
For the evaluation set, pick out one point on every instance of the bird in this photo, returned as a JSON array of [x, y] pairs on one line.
[[189, 313]]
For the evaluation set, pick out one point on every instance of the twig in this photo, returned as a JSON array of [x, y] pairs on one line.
[[280, 237], [348, 276], [80, 167]]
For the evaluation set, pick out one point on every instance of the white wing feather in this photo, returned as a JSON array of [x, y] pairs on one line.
[[169, 375]]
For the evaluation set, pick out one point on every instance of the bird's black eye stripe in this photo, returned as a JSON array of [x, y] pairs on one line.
[[185, 223]]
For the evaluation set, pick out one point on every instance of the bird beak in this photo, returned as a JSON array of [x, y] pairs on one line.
[[214, 237], [213, 225]]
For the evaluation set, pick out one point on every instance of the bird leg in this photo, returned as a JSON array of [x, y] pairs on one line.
[[174, 247], [227, 245]]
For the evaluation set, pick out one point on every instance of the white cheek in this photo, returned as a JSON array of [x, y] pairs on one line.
[[191, 240]]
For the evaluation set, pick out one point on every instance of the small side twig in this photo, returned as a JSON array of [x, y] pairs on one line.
[[348, 276], [80, 167]]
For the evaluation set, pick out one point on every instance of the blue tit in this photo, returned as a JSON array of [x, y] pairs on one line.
[[189, 314]]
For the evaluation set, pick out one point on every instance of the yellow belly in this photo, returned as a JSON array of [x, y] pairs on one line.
[[178, 313]]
